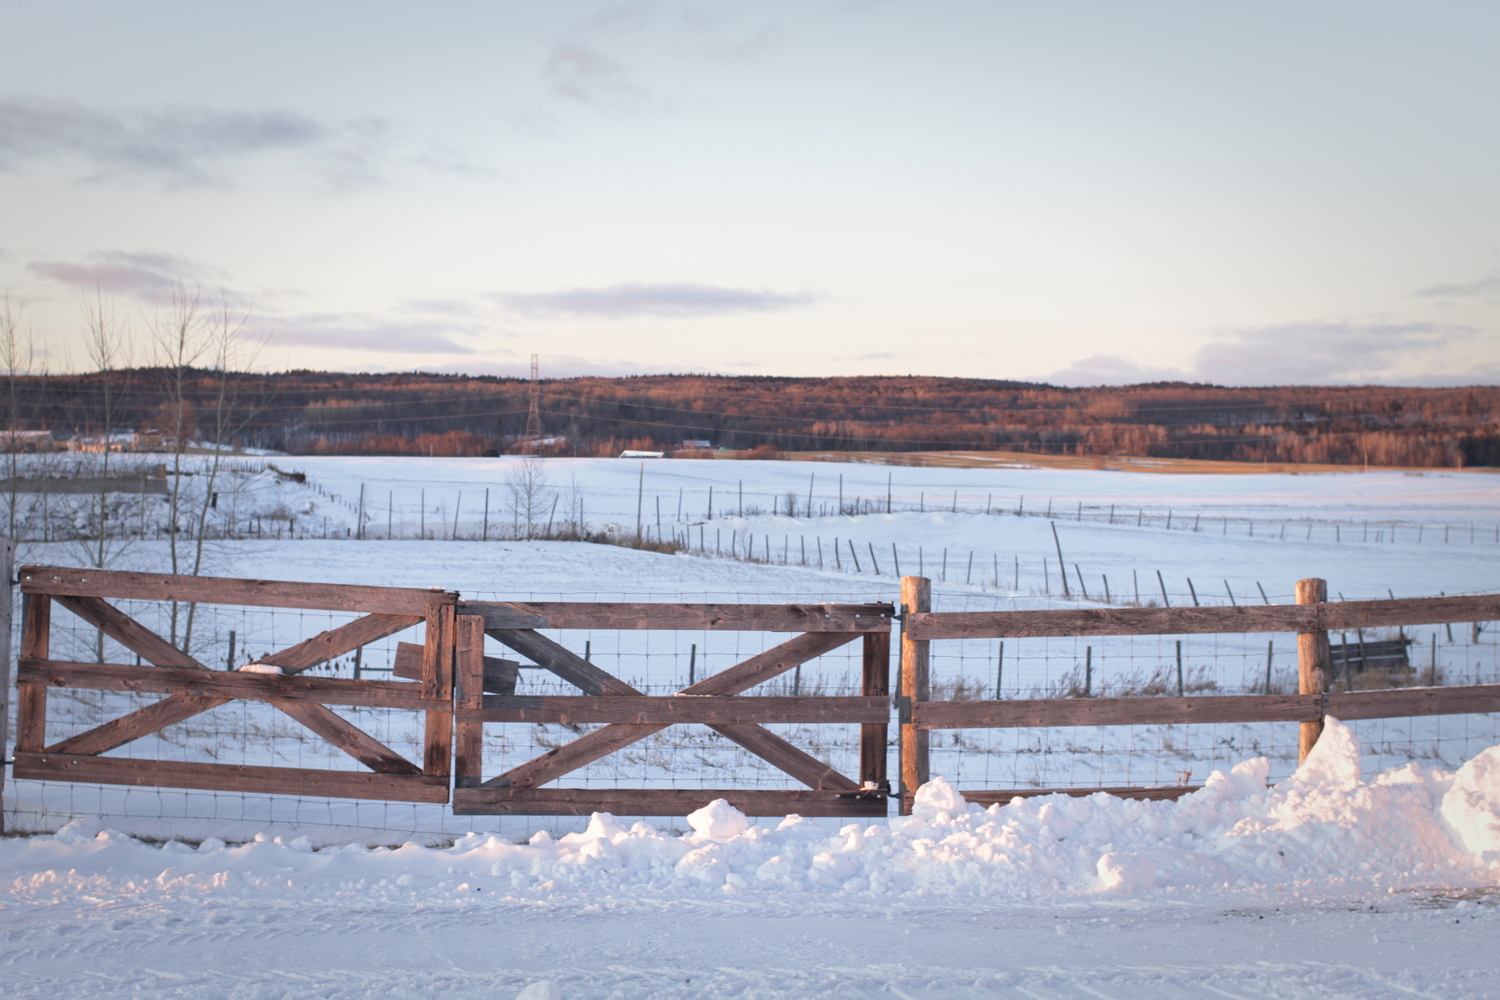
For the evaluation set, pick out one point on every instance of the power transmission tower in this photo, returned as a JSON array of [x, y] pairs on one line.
[[534, 416]]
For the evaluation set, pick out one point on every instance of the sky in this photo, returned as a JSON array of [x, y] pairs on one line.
[[1074, 192]]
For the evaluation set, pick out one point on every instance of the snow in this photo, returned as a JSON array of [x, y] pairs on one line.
[[1469, 806], [1372, 870], [1326, 885]]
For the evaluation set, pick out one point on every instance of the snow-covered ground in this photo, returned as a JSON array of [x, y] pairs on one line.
[[1328, 885]]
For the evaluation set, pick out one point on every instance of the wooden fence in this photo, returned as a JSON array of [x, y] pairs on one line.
[[451, 693], [459, 690], [1311, 618]]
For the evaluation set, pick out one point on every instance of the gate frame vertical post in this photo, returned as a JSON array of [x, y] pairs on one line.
[[916, 598], [437, 682], [873, 736], [1314, 660], [468, 693]]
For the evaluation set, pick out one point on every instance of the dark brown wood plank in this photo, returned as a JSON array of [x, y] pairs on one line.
[[50, 766], [31, 699], [468, 696], [223, 684], [57, 580], [337, 641], [560, 760], [437, 654], [772, 663], [1040, 712], [348, 737], [1184, 621], [407, 663], [875, 677], [437, 681], [992, 797], [128, 632], [691, 617], [657, 802], [142, 722], [561, 661], [1400, 702], [499, 674], [803, 766], [674, 709]]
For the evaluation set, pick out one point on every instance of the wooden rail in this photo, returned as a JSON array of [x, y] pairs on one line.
[[1393, 703], [662, 801], [1306, 618], [52, 580], [682, 617]]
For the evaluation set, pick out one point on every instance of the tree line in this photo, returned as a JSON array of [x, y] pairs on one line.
[[179, 398]]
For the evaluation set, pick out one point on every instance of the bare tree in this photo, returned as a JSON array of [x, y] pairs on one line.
[[18, 356], [107, 343], [528, 492], [196, 351]]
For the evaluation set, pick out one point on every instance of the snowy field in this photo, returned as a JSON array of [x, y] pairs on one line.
[[1366, 875]]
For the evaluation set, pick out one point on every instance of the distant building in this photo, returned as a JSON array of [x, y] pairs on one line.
[[642, 454], [699, 445], [26, 441]]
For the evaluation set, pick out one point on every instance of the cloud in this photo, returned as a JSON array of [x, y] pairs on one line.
[[1112, 369], [1483, 288], [195, 147], [1305, 353], [670, 301], [366, 333], [183, 146], [1323, 352], [152, 277], [582, 72]]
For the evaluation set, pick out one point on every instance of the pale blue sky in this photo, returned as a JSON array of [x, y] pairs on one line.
[[1075, 192]]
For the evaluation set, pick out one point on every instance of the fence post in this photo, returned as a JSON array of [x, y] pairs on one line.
[[7, 566], [916, 597], [1313, 661]]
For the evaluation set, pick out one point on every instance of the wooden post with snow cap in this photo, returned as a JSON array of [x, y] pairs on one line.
[[1314, 659], [916, 597]]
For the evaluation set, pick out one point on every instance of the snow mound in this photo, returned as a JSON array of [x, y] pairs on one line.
[[1472, 806], [718, 821], [1324, 823]]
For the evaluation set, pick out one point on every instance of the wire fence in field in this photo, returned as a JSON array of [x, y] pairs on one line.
[[693, 756]]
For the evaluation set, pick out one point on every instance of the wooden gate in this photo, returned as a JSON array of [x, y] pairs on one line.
[[629, 716], [192, 688]]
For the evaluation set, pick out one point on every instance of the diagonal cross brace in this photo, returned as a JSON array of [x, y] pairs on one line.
[[740, 677], [179, 707]]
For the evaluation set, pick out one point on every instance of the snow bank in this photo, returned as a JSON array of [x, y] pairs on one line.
[[1324, 823]]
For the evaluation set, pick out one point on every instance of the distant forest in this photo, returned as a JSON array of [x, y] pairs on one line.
[[305, 412]]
